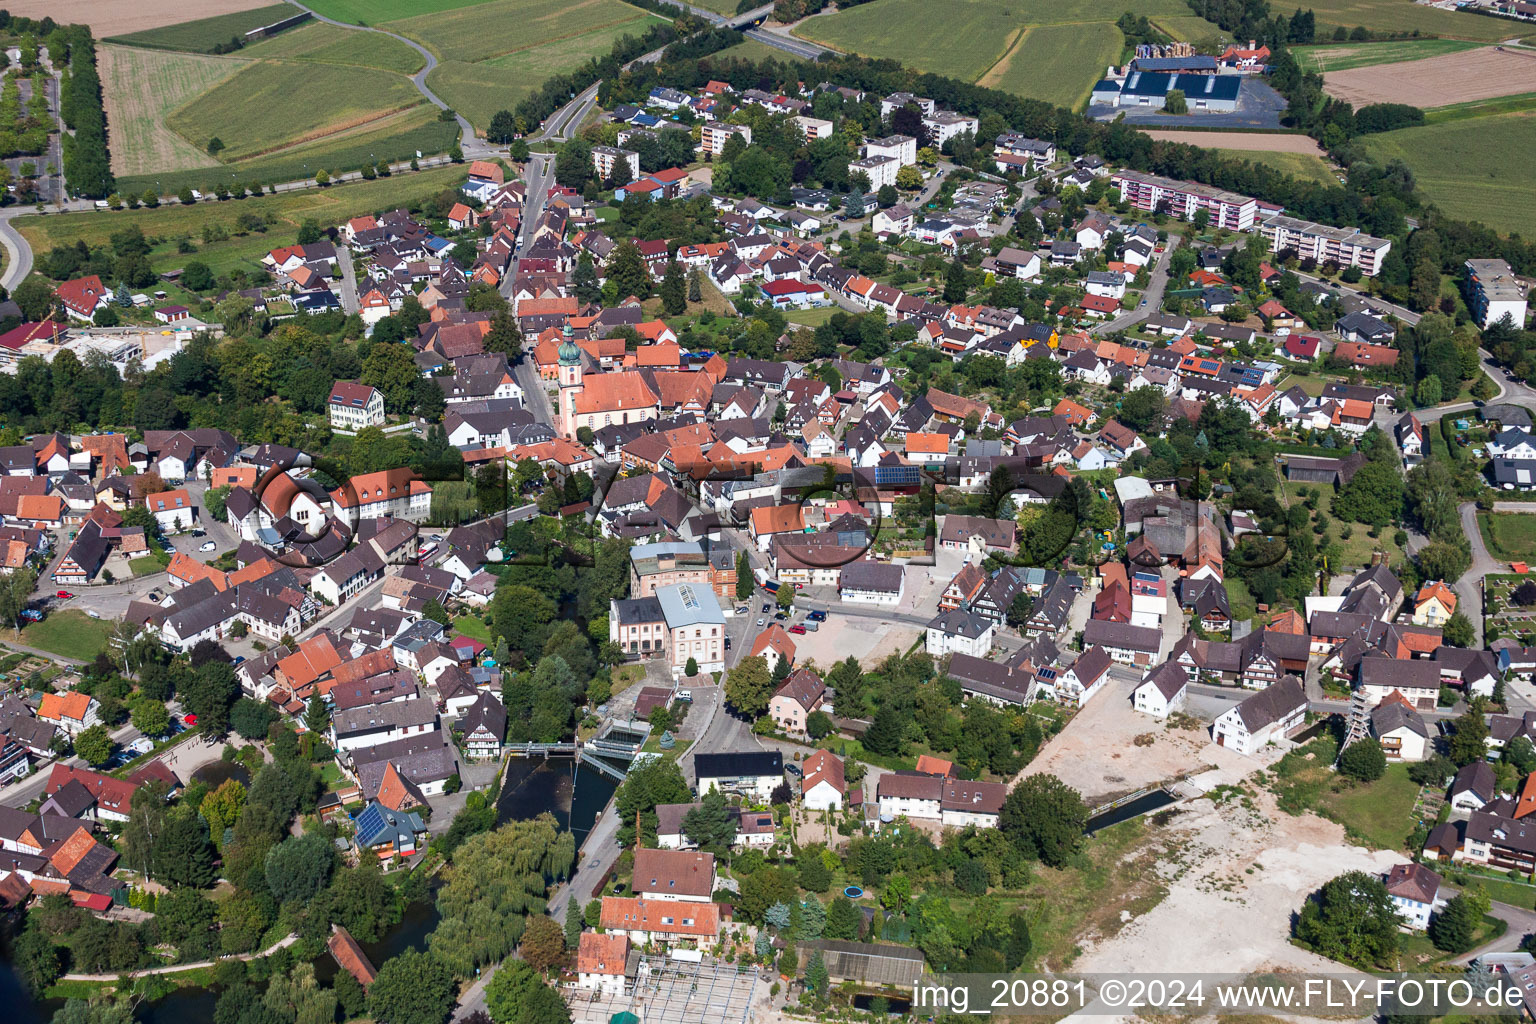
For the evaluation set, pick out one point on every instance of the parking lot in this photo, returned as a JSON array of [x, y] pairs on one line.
[[670, 991]]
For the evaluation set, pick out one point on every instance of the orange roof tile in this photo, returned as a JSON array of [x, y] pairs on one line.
[[58, 706], [1436, 590], [772, 519]]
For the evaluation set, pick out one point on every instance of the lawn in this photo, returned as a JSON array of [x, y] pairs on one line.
[[273, 105], [493, 54], [393, 139], [70, 633], [1510, 536], [986, 40], [1311, 383], [146, 565], [1380, 812], [752, 50], [1405, 16], [1497, 188], [1356, 549], [473, 627], [203, 35], [1342, 57], [142, 87], [330, 44], [375, 12], [811, 317], [285, 213], [1057, 63], [1299, 165]]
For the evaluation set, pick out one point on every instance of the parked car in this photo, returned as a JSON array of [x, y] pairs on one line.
[[64, 595], [207, 545], [759, 623], [767, 607], [686, 696], [817, 616], [797, 629], [794, 770]]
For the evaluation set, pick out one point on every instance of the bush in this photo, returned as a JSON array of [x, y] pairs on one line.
[[1364, 760]]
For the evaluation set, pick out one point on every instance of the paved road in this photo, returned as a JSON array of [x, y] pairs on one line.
[[1469, 589], [18, 254], [1521, 923], [782, 40], [1152, 299], [348, 280]]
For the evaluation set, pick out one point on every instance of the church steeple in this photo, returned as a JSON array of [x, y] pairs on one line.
[[569, 354]]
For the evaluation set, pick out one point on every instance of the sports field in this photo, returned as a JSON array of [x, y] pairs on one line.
[[200, 36], [1362, 55], [1405, 16], [1497, 188], [1065, 50], [143, 86], [330, 44], [269, 106], [285, 213], [1057, 63], [493, 54]]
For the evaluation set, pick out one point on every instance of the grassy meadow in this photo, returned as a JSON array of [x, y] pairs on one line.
[[1301, 165], [1406, 16], [202, 35], [329, 44], [142, 87]]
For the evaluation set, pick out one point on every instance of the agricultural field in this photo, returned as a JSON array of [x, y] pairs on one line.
[[1342, 57], [1290, 153], [1440, 81], [329, 44], [1188, 27], [1407, 16], [376, 12], [1496, 189], [496, 53], [1299, 165], [232, 18], [143, 86], [392, 139], [1058, 58], [269, 106], [1057, 63], [283, 213]]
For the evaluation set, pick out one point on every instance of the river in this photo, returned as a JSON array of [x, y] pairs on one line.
[[574, 794]]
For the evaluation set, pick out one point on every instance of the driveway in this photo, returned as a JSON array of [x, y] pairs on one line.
[[1469, 589], [1521, 923]]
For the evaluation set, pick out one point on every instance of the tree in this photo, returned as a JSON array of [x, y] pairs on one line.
[[182, 854], [909, 179], [886, 732], [1453, 928], [743, 576], [1044, 818], [1373, 495], [1351, 919], [785, 598], [674, 289], [517, 995], [955, 280], [94, 745], [411, 988], [503, 128], [251, 718], [1470, 740], [543, 944], [1175, 103], [150, 716], [1364, 760], [696, 288], [691, 669], [749, 686], [36, 959], [712, 824], [627, 271], [573, 923], [843, 919], [299, 867], [1458, 631], [817, 980], [221, 808], [1429, 391]]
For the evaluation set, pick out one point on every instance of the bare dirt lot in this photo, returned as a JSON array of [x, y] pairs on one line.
[[116, 17], [1437, 81], [1096, 754], [1251, 141]]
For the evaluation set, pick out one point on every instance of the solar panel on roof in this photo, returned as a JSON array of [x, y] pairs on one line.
[[370, 821], [896, 476]]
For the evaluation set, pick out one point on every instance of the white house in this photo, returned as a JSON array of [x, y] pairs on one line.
[[1401, 731], [1162, 692], [600, 963], [868, 582], [1415, 892], [1088, 674], [1265, 716], [822, 784], [959, 631], [173, 510], [353, 406]]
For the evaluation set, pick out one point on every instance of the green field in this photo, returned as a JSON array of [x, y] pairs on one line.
[[1379, 812], [270, 106], [1510, 536], [284, 213], [203, 35], [328, 44], [1057, 63], [496, 53], [1497, 188], [1361, 55], [1188, 27], [753, 50], [70, 633], [1301, 165], [1062, 54], [376, 12], [1406, 16], [394, 139]]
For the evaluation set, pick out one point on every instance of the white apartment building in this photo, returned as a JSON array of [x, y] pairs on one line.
[[901, 148], [881, 170], [714, 134], [944, 125], [605, 158], [354, 406], [1346, 247], [1184, 199], [1493, 293]]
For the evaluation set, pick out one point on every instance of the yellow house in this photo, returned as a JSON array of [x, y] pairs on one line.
[[1433, 604]]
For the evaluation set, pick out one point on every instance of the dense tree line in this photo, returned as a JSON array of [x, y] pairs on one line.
[[87, 164]]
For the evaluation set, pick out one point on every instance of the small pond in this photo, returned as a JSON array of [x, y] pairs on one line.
[[216, 773]]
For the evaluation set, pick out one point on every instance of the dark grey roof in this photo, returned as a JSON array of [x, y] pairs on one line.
[[1122, 635], [1272, 704], [740, 764], [1390, 716]]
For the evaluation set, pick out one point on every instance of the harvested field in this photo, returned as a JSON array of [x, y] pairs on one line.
[[1361, 55], [1437, 81], [329, 44], [269, 106], [141, 88], [1255, 141], [172, 32], [108, 17]]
